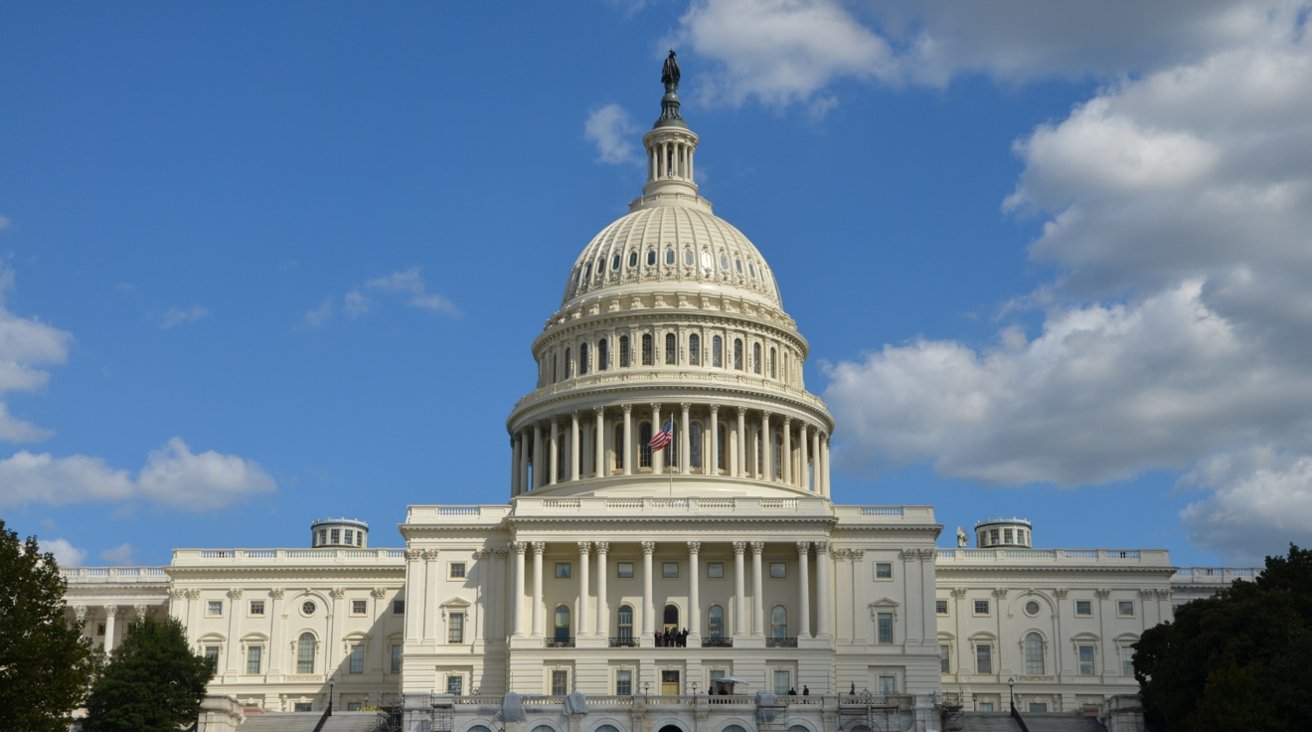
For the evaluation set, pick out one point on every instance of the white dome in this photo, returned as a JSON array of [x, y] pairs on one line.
[[672, 242]]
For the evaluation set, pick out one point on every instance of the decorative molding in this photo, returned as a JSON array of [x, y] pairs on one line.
[[234, 594], [111, 611], [739, 547], [908, 554], [1103, 593], [431, 555], [519, 547], [758, 547], [378, 593], [856, 554], [959, 592], [821, 547], [1061, 593], [277, 593], [694, 547], [584, 548], [1000, 593], [803, 549], [603, 547], [539, 548], [648, 547], [80, 611], [927, 555], [337, 592], [414, 554]]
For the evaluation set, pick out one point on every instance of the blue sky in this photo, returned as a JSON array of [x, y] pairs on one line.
[[262, 263]]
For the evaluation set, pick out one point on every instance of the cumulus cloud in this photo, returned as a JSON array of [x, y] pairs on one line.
[[410, 283], [173, 317], [356, 303], [66, 555], [1176, 207], [4, 222], [173, 476], [119, 555], [320, 316], [612, 130], [27, 348]]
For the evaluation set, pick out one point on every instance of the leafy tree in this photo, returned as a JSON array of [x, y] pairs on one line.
[[1235, 661], [153, 681], [45, 663]]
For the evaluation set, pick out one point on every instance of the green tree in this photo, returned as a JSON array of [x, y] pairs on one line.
[[1237, 660], [45, 663], [153, 681]]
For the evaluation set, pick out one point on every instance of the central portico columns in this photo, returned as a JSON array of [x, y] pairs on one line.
[[517, 593], [694, 594], [603, 610], [803, 587], [739, 588], [823, 566], [585, 621], [648, 608], [539, 547], [758, 589]]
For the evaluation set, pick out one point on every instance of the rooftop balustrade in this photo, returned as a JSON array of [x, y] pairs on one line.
[[962, 556], [321, 556], [114, 575]]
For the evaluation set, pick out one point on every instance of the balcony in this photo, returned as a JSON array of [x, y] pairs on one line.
[[781, 642], [717, 642], [623, 641], [560, 643]]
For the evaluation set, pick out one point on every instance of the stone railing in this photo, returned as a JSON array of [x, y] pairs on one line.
[[1213, 575], [474, 514], [208, 557], [114, 575], [664, 506], [666, 376], [1153, 557]]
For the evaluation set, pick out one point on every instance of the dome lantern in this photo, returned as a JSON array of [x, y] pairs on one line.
[[670, 146]]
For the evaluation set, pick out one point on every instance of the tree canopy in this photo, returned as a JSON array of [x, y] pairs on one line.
[[153, 681], [1235, 661], [45, 664]]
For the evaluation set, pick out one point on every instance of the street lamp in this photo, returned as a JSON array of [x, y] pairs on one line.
[[331, 681], [1011, 689], [645, 684]]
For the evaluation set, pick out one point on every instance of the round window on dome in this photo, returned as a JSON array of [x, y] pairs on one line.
[[651, 258], [1032, 608], [633, 259], [669, 256]]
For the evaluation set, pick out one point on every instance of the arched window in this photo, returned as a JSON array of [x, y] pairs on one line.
[[651, 257], [619, 446], [669, 256], [624, 352], [671, 347], [715, 622], [694, 350], [1034, 654], [756, 357], [648, 359], [569, 364], [720, 443], [644, 448], [738, 354], [624, 626], [717, 352], [603, 355], [778, 622], [562, 624], [695, 444], [305, 648], [583, 359], [772, 363], [734, 728], [479, 728], [633, 260], [670, 618]]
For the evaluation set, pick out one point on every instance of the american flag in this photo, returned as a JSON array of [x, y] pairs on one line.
[[662, 438]]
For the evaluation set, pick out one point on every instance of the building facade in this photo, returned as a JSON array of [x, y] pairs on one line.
[[668, 556]]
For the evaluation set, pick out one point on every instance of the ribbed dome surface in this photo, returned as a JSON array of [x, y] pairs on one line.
[[670, 246]]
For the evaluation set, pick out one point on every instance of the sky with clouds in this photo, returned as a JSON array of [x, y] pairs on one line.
[[262, 264]]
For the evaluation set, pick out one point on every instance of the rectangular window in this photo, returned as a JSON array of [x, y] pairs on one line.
[[981, 607], [983, 658], [883, 570], [564, 570], [778, 570], [1083, 608], [301, 706], [993, 536], [357, 659], [455, 627], [335, 535], [1006, 536], [885, 627], [1125, 608], [670, 570], [254, 659], [941, 607], [455, 685], [359, 607], [396, 658], [257, 607], [398, 607], [623, 682], [214, 608], [1127, 661], [457, 570], [887, 685], [350, 537], [944, 658], [559, 683], [782, 681], [354, 706], [212, 656], [624, 570], [715, 570], [985, 706], [1038, 707], [1086, 660]]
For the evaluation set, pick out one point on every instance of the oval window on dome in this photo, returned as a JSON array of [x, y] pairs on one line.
[[738, 264], [633, 259], [615, 262], [707, 262], [724, 262], [669, 256], [651, 258], [751, 269], [587, 271], [688, 257]]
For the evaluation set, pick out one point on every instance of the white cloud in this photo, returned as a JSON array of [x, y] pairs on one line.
[[66, 555], [4, 222], [355, 304], [1261, 501], [13, 429], [173, 476], [435, 303], [411, 282], [118, 555], [320, 316], [612, 130], [27, 347], [174, 316]]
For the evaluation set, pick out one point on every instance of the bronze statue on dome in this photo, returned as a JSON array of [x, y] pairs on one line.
[[670, 72]]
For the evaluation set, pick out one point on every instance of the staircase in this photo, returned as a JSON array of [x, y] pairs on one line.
[[1036, 722], [306, 721]]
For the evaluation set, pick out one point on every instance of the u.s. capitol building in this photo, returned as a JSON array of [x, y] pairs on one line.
[[708, 585]]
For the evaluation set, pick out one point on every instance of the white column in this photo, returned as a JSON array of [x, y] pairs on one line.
[[275, 631], [603, 607], [517, 589], [648, 611], [585, 600], [740, 449], [657, 459], [740, 589], [767, 449], [758, 589], [233, 648], [414, 594], [539, 548], [554, 446], [599, 441], [574, 445], [539, 458], [805, 458], [804, 588], [514, 465], [824, 461], [788, 452], [694, 594], [524, 452], [823, 594], [627, 448], [712, 462], [430, 582], [111, 611], [685, 459]]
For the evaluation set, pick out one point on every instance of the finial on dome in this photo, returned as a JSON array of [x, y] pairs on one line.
[[670, 102]]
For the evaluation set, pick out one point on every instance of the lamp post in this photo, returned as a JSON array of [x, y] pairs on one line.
[[1011, 693], [332, 680], [645, 684]]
